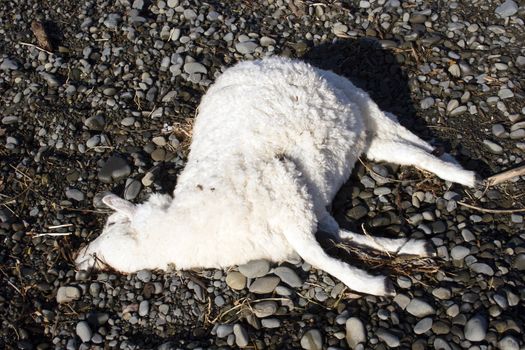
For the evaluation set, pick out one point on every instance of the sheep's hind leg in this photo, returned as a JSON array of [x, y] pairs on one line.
[[397, 246], [294, 217]]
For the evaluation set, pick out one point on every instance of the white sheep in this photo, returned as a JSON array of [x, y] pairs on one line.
[[273, 142]]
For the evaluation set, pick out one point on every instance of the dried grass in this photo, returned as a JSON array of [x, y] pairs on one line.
[[397, 264]]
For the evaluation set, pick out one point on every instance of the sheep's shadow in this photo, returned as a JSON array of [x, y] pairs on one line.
[[373, 69]]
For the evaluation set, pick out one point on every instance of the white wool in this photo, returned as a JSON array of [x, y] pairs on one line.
[[273, 142]]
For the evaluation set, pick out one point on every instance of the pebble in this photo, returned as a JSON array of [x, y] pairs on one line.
[[493, 147], [143, 308], [482, 268], [255, 268], [132, 189], [476, 328], [195, 67], [263, 285], [144, 275], [95, 123], [73, 193], [235, 280], [459, 252], [419, 308], [355, 332], [8, 64], [288, 276], [67, 294], [114, 169], [264, 308], [312, 340], [246, 47], [224, 330], [423, 325], [83, 331], [509, 342], [241, 336], [270, 323], [389, 338], [519, 262], [507, 9]]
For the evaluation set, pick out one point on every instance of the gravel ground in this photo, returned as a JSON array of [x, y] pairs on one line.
[[110, 109]]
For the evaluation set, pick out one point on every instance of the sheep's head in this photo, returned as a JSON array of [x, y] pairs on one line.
[[121, 243]]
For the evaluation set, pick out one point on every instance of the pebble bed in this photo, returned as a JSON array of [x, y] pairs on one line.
[[110, 109]]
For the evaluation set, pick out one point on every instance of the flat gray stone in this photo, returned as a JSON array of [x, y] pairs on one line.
[[509, 343], [476, 328], [423, 325], [482, 268], [224, 330], [195, 67], [355, 332], [114, 169], [246, 47], [143, 308], [236, 280], [459, 252], [255, 268], [144, 275], [67, 294], [241, 336], [507, 9], [288, 276], [263, 285], [264, 308], [389, 338], [83, 331], [132, 189], [312, 340], [8, 64], [420, 308]]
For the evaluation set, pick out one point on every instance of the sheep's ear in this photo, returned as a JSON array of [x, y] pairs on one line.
[[120, 205]]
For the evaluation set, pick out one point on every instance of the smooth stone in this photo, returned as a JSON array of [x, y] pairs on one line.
[[236, 280], [8, 64], [390, 339], [195, 67], [50, 79], [476, 328], [355, 332], [255, 268], [114, 169], [73, 193], [132, 189], [246, 47], [312, 340], [143, 308], [95, 123], [270, 323], [264, 308], [507, 9], [241, 336], [67, 294], [482, 268], [128, 121], [423, 325], [144, 275], [420, 308], [288, 276], [509, 343], [493, 147], [442, 293], [83, 331], [224, 330], [427, 102], [263, 285], [357, 212], [459, 252], [519, 262]]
